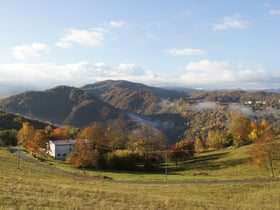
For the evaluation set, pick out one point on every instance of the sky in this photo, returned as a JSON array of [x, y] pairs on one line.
[[201, 44]]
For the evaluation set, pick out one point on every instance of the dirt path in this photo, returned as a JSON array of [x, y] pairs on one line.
[[108, 179]]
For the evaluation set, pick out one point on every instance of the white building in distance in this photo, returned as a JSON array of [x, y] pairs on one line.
[[60, 149]]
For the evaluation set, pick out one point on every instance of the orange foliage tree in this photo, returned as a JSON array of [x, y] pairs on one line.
[[38, 142], [182, 150], [90, 148], [265, 148]]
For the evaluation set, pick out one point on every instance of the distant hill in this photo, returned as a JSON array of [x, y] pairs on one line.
[[61, 105], [132, 97], [176, 113]]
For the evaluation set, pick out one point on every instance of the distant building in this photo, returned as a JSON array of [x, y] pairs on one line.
[[60, 149]]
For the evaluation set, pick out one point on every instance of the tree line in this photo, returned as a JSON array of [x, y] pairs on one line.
[[114, 146]]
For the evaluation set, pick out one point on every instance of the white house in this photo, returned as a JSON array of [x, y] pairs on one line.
[[60, 149]]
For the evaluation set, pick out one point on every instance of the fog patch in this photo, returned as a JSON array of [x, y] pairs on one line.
[[202, 106], [241, 109], [166, 103]]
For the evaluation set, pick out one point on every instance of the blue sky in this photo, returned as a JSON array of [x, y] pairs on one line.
[[209, 44]]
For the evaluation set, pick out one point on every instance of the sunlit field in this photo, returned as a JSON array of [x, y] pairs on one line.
[[225, 164], [34, 187]]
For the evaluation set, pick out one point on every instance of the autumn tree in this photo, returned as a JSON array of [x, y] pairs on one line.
[[182, 150], [149, 143], [240, 130], [58, 133], [217, 139], [116, 134], [90, 147], [26, 133], [37, 142], [199, 144], [265, 149]]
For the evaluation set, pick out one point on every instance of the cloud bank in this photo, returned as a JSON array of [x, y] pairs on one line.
[[201, 74]]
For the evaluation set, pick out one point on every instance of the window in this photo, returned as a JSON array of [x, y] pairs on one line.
[[58, 154]]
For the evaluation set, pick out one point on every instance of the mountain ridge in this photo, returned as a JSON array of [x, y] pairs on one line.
[[59, 105]]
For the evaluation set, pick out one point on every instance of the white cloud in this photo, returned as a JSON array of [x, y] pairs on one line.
[[186, 51], [117, 23], [202, 74], [222, 74], [76, 74], [24, 52], [87, 37], [274, 12], [129, 69], [231, 22], [207, 66]]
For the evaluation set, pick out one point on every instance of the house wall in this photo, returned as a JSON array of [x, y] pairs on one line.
[[60, 151], [51, 149]]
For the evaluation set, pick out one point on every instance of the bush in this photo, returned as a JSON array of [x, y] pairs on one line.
[[8, 138], [122, 159]]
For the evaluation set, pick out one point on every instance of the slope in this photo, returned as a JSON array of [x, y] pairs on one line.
[[61, 105], [132, 97]]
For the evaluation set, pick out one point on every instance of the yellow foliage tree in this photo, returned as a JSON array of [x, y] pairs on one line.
[[26, 133]]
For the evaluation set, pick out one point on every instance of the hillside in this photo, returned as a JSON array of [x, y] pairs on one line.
[[132, 97], [10, 121], [35, 187], [61, 105], [176, 113]]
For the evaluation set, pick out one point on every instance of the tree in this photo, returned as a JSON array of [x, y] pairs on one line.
[[217, 139], [26, 133], [71, 132], [116, 134], [58, 134], [38, 142], [240, 129], [8, 137], [265, 149], [199, 144], [182, 150], [122, 159], [90, 147], [149, 143]]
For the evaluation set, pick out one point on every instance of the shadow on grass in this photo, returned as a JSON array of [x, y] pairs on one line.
[[207, 162]]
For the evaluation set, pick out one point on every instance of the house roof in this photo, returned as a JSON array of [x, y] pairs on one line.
[[63, 142]]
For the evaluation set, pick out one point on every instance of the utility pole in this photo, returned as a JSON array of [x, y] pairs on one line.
[[18, 155], [165, 164]]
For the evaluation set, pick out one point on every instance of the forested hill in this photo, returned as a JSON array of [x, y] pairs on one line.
[[176, 113], [61, 105], [132, 97]]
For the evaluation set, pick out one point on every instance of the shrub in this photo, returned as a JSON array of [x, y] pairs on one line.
[[122, 159]]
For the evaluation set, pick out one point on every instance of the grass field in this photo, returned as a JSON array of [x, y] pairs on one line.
[[32, 187], [224, 164]]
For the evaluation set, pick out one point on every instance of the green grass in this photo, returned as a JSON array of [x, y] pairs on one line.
[[225, 164], [33, 187]]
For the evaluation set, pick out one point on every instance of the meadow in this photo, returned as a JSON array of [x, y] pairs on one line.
[[33, 187], [220, 165]]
